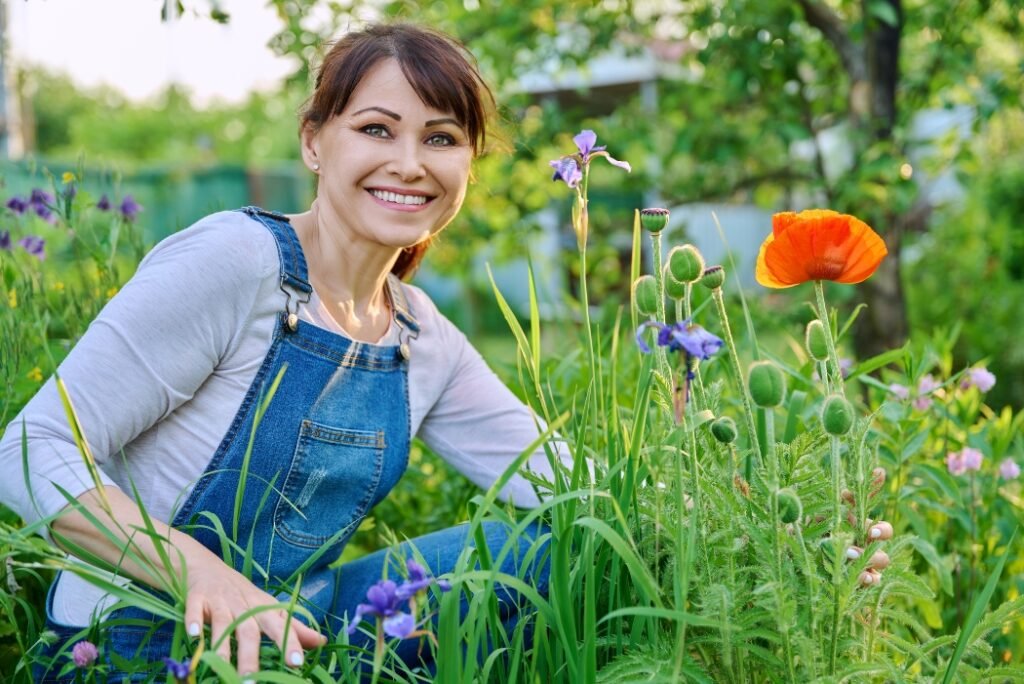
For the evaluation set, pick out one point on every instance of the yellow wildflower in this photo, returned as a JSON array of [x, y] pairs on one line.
[[111, 292], [68, 177], [35, 375], [58, 286], [12, 299]]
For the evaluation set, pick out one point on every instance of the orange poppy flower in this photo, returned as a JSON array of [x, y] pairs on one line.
[[818, 244]]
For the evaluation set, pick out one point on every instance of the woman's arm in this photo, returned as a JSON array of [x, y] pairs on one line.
[[216, 593]]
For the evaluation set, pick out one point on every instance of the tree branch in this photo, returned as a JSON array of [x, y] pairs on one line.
[[831, 25]]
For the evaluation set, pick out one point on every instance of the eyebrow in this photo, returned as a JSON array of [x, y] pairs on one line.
[[398, 117]]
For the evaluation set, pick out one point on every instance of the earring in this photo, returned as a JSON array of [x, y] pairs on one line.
[[316, 167]]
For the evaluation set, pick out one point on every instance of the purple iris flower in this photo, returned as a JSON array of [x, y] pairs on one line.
[[418, 581], [69, 192], [104, 203], [570, 168], [179, 670], [683, 336], [34, 245], [41, 197], [385, 603], [5, 240], [129, 208], [17, 204]]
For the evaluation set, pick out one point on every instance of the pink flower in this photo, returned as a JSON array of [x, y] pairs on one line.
[[899, 391], [1009, 470], [959, 462], [925, 386], [84, 653], [982, 378]]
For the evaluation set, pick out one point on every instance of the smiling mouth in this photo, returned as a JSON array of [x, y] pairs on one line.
[[397, 198]]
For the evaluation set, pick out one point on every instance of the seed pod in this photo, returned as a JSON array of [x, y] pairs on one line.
[[742, 485], [790, 508], [724, 430], [686, 264], [814, 340], [645, 294], [654, 220], [713, 278], [837, 415], [673, 288], [767, 384]]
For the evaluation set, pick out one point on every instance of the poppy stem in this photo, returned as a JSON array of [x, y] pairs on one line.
[[748, 409]]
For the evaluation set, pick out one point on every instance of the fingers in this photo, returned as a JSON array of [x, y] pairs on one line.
[[220, 619], [247, 634], [194, 609], [879, 531], [300, 637]]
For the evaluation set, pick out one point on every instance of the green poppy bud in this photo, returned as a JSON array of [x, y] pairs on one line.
[[673, 288], [686, 264], [645, 294], [790, 508], [837, 415], [814, 340], [713, 278], [724, 430], [767, 384], [654, 220]]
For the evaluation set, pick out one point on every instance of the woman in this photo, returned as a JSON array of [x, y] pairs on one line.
[[170, 379]]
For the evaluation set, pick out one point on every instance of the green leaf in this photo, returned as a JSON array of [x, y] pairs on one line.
[[884, 12], [928, 552]]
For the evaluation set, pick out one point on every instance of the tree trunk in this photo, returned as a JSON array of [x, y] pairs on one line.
[[883, 324]]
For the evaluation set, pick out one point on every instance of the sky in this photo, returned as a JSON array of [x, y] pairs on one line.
[[124, 44]]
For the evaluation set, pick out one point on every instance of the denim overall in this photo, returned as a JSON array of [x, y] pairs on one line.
[[333, 441]]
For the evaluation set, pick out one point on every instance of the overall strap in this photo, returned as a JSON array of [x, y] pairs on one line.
[[403, 312], [293, 261]]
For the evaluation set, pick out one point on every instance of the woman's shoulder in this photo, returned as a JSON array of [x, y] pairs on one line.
[[227, 242]]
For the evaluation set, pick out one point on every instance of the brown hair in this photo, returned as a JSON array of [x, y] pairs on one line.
[[439, 69]]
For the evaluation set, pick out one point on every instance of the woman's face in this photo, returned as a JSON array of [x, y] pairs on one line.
[[393, 171]]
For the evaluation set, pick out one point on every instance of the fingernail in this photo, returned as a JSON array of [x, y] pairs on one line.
[[193, 629], [852, 553], [875, 533], [249, 681], [295, 658]]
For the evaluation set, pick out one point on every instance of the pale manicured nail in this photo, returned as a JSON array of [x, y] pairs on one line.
[[295, 658], [193, 629], [852, 553], [249, 681], [875, 533]]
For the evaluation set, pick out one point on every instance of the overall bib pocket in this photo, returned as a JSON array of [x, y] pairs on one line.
[[332, 481]]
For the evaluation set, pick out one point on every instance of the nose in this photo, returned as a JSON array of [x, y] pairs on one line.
[[406, 162]]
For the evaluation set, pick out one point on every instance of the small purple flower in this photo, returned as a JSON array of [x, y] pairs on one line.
[[385, 603], [982, 378], [179, 670], [568, 170], [418, 581], [5, 240], [41, 197], [18, 205], [84, 653], [104, 203], [925, 386], [959, 462], [683, 336], [570, 167], [899, 391], [34, 245], [129, 208], [69, 191], [1009, 470]]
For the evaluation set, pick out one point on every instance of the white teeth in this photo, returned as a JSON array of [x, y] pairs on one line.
[[398, 199]]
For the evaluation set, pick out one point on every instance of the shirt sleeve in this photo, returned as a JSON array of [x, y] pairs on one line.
[[149, 350], [480, 427]]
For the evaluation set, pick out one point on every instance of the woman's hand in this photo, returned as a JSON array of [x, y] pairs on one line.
[[217, 595]]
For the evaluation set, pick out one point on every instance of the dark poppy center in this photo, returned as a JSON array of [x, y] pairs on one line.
[[825, 267]]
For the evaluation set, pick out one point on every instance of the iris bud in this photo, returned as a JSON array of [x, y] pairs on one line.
[[713, 278], [790, 508], [673, 288], [724, 430], [686, 264], [767, 384], [654, 220], [645, 294], [814, 340], [837, 415]]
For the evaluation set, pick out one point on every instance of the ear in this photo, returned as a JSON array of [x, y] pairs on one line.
[[310, 144]]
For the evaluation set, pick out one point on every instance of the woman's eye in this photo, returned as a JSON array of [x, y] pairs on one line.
[[441, 140], [376, 131]]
